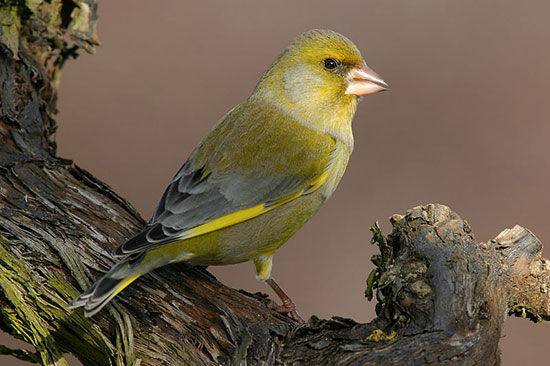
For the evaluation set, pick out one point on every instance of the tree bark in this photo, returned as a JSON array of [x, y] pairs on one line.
[[442, 297]]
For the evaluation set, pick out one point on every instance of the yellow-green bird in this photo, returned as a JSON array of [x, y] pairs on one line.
[[263, 170]]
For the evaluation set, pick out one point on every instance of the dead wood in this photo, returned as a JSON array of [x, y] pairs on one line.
[[442, 297]]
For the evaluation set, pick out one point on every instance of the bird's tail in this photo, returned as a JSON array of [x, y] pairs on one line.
[[119, 277]]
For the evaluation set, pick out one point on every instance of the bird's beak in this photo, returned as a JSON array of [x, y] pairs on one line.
[[362, 81]]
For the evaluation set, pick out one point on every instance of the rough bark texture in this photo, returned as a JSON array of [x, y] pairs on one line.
[[442, 297]]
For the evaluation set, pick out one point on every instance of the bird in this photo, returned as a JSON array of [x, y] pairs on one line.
[[259, 175]]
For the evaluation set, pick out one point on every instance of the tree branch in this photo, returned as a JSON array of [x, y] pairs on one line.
[[442, 297]]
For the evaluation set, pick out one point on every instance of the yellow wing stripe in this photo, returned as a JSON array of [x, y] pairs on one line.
[[249, 213], [235, 218]]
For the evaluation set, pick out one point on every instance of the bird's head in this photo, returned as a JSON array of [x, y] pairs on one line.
[[321, 74]]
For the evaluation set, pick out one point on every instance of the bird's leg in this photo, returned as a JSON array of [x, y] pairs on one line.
[[263, 272], [288, 306]]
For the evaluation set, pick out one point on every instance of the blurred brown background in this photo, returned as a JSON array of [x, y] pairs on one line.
[[465, 123]]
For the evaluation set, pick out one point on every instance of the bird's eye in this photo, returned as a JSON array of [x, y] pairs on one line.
[[330, 63]]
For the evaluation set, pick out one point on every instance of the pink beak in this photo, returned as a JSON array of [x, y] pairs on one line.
[[363, 80]]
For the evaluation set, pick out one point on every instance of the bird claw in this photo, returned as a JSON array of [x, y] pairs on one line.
[[288, 308]]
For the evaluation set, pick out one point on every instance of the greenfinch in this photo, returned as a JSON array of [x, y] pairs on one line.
[[259, 175]]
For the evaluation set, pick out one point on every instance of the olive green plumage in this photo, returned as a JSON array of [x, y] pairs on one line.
[[257, 177]]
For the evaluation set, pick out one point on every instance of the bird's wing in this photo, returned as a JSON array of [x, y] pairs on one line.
[[223, 184], [197, 202]]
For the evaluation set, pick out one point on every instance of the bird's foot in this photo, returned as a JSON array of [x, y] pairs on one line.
[[288, 308]]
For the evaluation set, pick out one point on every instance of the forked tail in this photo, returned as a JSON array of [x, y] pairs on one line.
[[119, 277]]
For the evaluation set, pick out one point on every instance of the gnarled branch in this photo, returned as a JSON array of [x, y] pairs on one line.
[[442, 297]]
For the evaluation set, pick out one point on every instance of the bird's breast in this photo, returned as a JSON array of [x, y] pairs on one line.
[[337, 166]]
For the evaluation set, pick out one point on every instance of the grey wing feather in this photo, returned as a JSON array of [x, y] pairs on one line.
[[195, 197]]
